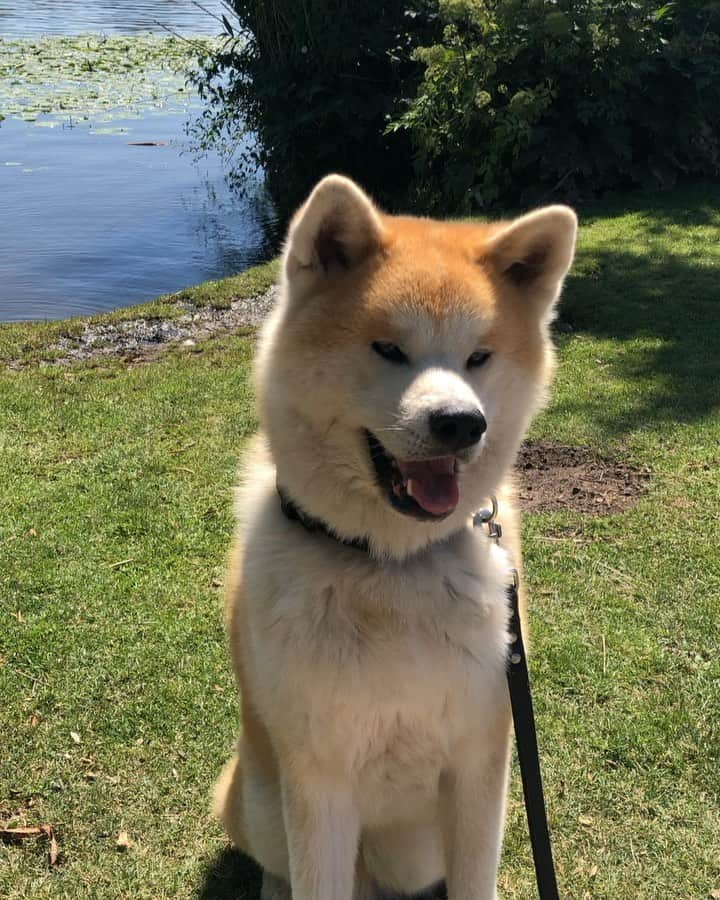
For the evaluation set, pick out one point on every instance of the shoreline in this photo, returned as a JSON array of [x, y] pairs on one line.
[[144, 337], [141, 331]]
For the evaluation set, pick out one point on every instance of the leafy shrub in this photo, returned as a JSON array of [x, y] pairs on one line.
[[522, 100], [315, 82], [464, 104]]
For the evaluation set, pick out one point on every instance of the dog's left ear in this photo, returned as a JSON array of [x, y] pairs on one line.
[[534, 253], [336, 229]]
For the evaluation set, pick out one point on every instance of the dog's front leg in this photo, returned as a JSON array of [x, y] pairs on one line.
[[323, 830], [473, 807]]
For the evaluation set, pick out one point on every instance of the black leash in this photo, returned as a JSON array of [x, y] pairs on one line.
[[526, 738], [518, 678]]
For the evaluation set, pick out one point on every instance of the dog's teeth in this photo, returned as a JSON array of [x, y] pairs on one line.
[[409, 488]]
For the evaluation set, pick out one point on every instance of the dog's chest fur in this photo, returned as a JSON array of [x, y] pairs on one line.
[[376, 672]]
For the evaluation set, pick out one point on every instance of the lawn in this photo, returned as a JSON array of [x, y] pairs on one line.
[[115, 492]]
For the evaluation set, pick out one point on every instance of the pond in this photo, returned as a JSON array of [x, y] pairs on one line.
[[102, 204], [27, 18]]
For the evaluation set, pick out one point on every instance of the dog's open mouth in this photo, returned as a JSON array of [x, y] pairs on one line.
[[423, 488]]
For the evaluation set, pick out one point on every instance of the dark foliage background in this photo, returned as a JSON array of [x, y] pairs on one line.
[[462, 105], [523, 101], [316, 81]]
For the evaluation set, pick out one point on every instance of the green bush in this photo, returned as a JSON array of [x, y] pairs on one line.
[[303, 88], [523, 101], [460, 105]]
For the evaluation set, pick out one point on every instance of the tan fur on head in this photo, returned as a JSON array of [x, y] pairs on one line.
[[534, 252], [353, 276], [336, 227]]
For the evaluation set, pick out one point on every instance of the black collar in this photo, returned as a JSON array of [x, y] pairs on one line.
[[316, 526], [296, 513]]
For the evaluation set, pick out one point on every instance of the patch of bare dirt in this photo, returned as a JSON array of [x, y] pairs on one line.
[[554, 477]]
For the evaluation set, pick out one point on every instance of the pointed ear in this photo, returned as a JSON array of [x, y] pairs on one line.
[[337, 228], [534, 253]]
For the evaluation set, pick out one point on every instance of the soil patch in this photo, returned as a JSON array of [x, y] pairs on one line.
[[554, 477]]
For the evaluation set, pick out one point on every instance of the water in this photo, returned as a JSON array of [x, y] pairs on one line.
[[90, 222], [28, 18]]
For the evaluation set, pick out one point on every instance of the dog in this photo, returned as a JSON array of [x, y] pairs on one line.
[[367, 619]]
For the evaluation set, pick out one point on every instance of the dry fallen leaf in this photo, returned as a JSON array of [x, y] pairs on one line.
[[715, 894], [593, 871], [585, 820], [123, 841], [75, 736], [32, 532], [54, 852], [16, 835]]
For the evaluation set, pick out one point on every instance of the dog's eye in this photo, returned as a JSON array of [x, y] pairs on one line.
[[478, 358], [389, 351]]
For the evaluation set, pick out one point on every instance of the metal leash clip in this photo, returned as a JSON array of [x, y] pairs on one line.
[[489, 517]]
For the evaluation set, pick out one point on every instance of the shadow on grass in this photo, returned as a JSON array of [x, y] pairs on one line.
[[231, 875], [655, 287]]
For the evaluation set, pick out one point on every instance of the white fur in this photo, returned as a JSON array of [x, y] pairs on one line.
[[380, 714]]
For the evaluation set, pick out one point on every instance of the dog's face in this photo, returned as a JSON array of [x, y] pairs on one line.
[[404, 361]]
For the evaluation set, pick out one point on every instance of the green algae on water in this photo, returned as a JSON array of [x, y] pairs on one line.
[[81, 77]]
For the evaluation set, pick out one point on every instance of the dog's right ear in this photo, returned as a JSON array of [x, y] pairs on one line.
[[336, 228]]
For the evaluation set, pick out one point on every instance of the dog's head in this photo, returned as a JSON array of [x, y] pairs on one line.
[[404, 360]]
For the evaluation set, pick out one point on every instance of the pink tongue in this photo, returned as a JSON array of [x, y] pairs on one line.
[[434, 483]]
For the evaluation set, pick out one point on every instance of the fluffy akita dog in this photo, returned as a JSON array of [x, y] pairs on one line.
[[396, 378]]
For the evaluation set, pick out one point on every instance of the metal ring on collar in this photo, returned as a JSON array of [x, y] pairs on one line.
[[485, 516]]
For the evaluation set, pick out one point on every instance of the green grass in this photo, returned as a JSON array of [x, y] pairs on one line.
[[114, 522]]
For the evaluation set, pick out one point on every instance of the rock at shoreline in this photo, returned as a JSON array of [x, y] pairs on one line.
[[138, 337]]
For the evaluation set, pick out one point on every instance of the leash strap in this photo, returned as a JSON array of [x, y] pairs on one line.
[[526, 738]]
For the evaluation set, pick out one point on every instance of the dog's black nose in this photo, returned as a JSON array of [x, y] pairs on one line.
[[457, 429]]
